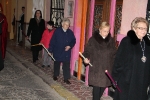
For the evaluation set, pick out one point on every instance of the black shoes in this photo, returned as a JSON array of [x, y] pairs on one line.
[[55, 78], [43, 66], [67, 81]]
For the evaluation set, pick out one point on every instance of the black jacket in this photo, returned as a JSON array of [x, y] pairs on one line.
[[35, 30], [131, 74]]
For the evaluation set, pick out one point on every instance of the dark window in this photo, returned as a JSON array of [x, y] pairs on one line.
[[57, 11], [148, 18]]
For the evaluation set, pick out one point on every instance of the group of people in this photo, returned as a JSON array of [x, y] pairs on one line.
[[129, 65], [58, 42]]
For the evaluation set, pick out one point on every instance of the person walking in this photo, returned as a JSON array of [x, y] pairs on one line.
[[46, 37], [20, 28], [100, 51], [131, 68], [63, 40], [36, 29]]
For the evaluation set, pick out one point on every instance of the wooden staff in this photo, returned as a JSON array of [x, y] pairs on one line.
[[48, 52], [35, 44], [112, 80], [1, 21], [84, 58]]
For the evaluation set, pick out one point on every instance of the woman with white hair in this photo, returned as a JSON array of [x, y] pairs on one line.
[[131, 68], [63, 40]]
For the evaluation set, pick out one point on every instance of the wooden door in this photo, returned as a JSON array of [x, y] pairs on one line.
[[101, 13]]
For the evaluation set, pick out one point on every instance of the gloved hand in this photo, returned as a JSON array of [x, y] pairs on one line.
[[114, 84]]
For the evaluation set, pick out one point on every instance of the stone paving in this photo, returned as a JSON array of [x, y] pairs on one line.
[[76, 91], [19, 83]]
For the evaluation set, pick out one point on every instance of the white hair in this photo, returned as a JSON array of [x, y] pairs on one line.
[[66, 20]]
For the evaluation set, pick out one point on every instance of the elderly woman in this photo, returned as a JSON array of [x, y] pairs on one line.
[[63, 40], [36, 29], [132, 63], [100, 51]]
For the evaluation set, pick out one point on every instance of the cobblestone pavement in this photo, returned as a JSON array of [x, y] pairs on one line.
[[76, 91], [19, 83]]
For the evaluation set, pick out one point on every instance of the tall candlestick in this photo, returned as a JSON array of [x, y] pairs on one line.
[[84, 58], [48, 52], [112, 80]]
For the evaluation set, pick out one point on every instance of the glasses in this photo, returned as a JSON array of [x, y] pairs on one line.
[[141, 28]]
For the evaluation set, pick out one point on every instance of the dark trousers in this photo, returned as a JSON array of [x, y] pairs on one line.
[[97, 92], [35, 54], [18, 34], [65, 67]]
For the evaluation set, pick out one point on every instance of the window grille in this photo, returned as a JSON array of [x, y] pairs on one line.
[[57, 11]]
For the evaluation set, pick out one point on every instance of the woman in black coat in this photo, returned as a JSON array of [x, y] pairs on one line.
[[36, 29], [132, 63]]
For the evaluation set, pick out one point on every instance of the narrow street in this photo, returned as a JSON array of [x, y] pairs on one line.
[[19, 83]]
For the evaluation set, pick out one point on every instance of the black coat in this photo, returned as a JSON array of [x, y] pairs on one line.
[[101, 53], [36, 32], [132, 75]]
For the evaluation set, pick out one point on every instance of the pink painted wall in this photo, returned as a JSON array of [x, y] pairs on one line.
[[77, 32], [112, 16], [132, 9]]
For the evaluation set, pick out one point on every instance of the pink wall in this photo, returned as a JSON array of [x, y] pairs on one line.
[[132, 9], [77, 31], [112, 16]]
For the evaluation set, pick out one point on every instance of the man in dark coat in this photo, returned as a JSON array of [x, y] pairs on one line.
[[132, 63], [63, 40], [21, 22]]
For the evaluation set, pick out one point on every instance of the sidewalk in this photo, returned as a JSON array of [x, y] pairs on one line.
[[76, 91]]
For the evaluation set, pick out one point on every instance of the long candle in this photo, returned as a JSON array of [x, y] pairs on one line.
[[84, 58], [112, 80], [35, 44], [48, 52]]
